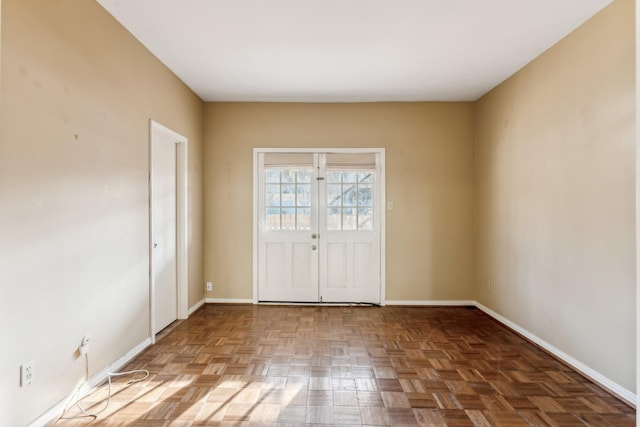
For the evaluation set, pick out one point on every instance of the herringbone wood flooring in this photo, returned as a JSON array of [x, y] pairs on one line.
[[291, 365]]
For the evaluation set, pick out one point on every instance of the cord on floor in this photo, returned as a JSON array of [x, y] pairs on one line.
[[110, 375]]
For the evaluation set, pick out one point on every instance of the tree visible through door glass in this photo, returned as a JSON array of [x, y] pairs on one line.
[[350, 200], [288, 199]]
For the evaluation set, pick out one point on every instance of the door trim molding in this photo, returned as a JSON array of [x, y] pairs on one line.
[[380, 154], [182, 252]]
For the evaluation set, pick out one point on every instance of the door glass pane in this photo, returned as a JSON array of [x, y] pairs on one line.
[[365, 177], [334, 177], [273, 176], [334, 194], [365, 219], [349, 219], [303, 219], [349, 177], [334, 219], [273, 195], [349, 195], [288, 195], [288, 199], [364, 195], [273, 219], [304, 195], [350, 200], [288, 219], [304, 176], [288, 175]]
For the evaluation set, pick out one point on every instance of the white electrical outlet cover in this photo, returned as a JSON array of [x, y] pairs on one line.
[[27, 371]]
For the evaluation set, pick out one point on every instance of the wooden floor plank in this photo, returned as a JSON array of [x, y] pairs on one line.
[[303, 365]]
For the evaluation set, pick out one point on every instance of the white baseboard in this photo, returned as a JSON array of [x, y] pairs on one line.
[[613, 387], [431, 303], [90, 384], [229, 300], [196, 306], [393, 302]]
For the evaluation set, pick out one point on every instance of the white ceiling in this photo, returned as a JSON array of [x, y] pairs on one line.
[[348, 50]]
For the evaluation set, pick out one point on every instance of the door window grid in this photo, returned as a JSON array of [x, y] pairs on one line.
[[288, 199], [350, 200]]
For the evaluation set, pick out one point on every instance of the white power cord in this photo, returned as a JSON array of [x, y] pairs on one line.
[[76, 395]]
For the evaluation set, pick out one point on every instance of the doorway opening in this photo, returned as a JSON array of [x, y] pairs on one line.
[[319, 225]]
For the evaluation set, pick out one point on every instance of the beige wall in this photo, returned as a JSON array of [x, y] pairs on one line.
[[637, 194], [77, 94], [555, 148], [429, 168]]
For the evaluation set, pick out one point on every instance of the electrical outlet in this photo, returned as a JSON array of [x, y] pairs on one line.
[[27, 371], [84, 345], [209, 286]]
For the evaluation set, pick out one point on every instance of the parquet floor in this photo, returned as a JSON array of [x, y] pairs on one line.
[[282, 365]]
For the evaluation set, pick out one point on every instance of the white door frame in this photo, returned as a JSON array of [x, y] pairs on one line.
[[256, 213], [182, 260]]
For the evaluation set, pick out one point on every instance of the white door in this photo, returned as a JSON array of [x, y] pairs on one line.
[[350, 222], [319, 227], [163, 230], [288, 254]]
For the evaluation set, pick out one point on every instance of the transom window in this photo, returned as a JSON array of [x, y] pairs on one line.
[[288, 199]]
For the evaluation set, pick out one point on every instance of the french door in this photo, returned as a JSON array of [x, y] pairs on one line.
[[319, 226]]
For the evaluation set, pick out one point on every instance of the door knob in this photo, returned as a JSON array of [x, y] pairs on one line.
[[314, 235], [314, 247], [155, 245]]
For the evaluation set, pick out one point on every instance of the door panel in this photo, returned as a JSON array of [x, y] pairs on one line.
[[336, 258], [276, 261], [302, 261], [351, 272], [163, 230], [289, 268], [362, 262]]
